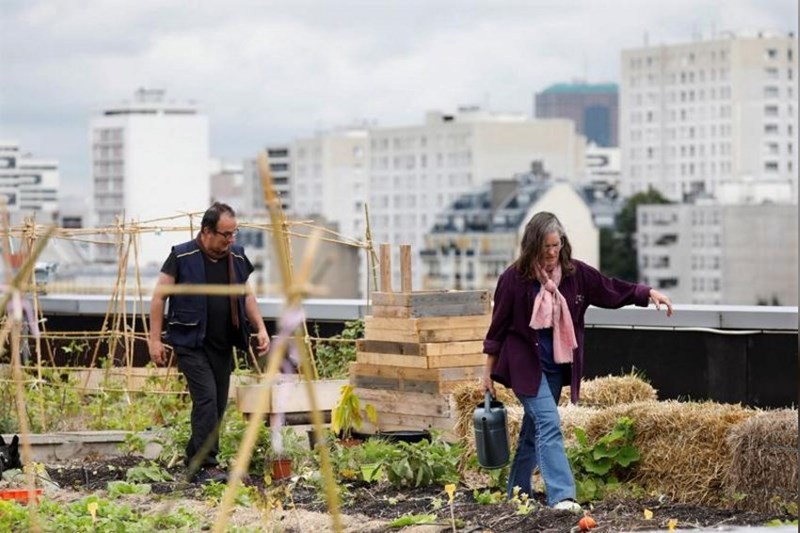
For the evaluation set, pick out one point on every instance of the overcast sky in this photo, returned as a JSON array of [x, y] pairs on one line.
[[268, 72]]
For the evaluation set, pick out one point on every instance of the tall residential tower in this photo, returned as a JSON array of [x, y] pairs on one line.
[[711, 118], [150, 159]]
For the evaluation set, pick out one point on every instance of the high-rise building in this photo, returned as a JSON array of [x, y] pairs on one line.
[[711, 253], [329, 178], [29, 185], [280, 165], [150, 160], [593, 107], [416, 171], [711, 117]]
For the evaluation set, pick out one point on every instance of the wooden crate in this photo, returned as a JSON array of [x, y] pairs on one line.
[[418, 346], [430, 304], [290, 396], [409, 379]]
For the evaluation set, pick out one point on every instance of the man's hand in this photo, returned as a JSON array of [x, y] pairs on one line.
[[157, 352], [263, 342], [659, 298]]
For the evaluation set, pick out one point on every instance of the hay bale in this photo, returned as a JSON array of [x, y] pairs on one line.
[[763, 465], [612, 390], [574, 416], [683, 447], [467, 396]]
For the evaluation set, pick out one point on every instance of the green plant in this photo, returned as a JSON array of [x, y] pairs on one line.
[[234, 427], [147, 473], [332, 357], [174, 438], [412, 520], [347, 415], [132, 445], [120, 488], [598, 467], [376, 449], [96, 514], [292, 446], [346, 461], [522, 502], [487, 497], [423, 463], [52, 401], [214, 491]]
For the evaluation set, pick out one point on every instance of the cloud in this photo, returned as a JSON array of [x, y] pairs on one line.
[[267, 72]]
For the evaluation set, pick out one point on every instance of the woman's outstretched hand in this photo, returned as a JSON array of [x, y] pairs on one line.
[[660, 298]]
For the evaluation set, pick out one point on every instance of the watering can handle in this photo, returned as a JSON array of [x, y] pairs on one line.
[[487, 400]]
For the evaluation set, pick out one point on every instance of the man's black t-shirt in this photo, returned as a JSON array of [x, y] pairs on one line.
[[219, 326]]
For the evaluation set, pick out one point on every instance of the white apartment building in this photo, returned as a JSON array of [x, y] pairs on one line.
[[329, 178], [226, 182], [280, 165], [704, 117], [30, 185], [150, 160], [720, 254], [417, 171]]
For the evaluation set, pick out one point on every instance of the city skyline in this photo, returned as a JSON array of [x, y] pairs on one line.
[[335, 65]]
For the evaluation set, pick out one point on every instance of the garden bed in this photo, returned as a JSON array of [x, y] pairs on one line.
[[370, 507]]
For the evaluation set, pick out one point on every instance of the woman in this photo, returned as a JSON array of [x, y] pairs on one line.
[[536, 337]]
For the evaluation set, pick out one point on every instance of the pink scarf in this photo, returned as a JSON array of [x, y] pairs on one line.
[[550, 310]]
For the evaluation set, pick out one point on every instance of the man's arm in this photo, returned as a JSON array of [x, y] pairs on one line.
[[254, 316], [157, 319]]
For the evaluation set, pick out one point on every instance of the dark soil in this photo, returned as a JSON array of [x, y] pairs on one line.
[[388, 503]]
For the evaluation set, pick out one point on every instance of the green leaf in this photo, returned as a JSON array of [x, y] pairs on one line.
[[412, 520], [627, 455]]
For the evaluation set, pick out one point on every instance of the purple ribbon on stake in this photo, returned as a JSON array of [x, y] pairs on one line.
[[289, 322], [23, 310]]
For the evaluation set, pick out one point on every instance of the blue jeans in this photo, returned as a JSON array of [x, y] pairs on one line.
[[541, 443]]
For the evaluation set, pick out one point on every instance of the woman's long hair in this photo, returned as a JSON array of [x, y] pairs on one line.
[[533, 245]]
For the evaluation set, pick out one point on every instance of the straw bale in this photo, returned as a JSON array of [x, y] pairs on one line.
[[763, 466], [612, 390], [683, 449], [467, 396]]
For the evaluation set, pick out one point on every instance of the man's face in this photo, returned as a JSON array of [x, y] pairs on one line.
[[220, 240]]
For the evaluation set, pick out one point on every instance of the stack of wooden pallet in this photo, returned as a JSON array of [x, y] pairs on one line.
[[418, 347]]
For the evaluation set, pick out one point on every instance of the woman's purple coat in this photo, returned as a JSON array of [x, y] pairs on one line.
[[511, 338]]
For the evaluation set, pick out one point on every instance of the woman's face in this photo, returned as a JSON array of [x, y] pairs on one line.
[[552, 249]]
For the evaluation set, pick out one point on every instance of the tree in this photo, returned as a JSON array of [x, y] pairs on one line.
[[618, 245]]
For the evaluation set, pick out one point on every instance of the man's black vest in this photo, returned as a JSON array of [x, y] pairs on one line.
[[186, 318]]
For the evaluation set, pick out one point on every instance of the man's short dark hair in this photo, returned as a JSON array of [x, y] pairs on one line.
[[212, 214]]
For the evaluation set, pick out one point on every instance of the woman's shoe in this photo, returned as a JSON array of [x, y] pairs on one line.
[[568, 505]]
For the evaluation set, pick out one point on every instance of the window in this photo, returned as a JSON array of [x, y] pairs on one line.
[[771, 129], [771, 73], [771, 166], [770, 91], [771, 53], [771, 111]]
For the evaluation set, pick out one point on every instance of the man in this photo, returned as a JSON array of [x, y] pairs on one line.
[[204, 329]]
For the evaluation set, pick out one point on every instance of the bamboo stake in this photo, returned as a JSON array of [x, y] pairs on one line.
[[372, 257], [256, 419], [104, 327]]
